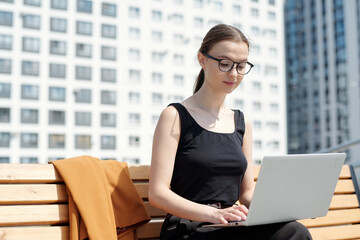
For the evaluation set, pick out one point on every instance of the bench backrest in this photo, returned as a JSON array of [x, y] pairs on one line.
[[33, 198]]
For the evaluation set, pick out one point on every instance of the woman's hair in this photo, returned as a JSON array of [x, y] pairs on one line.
[[216, 34]]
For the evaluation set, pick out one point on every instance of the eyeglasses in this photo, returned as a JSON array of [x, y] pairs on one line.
[[226, 65]]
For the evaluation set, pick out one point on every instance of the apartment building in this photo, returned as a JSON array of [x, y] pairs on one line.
[[92, 77]]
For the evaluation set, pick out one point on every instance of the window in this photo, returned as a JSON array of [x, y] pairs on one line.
[[4, 160], [30, 68], [108, 142], [56, 117], [180, 39], [131, 160], [271, 70], [274, 107], [257, 106], [56, 140], [274, 88], [83, 118], [198, 3], [57, 70], [33, 2], [156, 36], [257, 86], [272, 2], [257, 144], [83, 50], [134, 12], [31, 21], [157, 78], [57, 94], [4, 115], [83, 73], [134, 119], [108, 9], [179, 80], [108, 119], [218, 6], [5, 66], [5, 90], [29, 116], [31, 44], [177, 19], [198, 22], [154, 119], [29, 92], [7, 1], [83, 28], [58, 25], [29, 140], [157, 98], [156, 16], [84, 6], [4, 139], [134, 97], [6, 18], [58, 47], [236, 9], [108, 31], [108, 97], [82, 95], [179, 59], [134, 54], [257, 125], [134, 75], [274, 126], [5, 42], [254, 12], [239, 103], [83, 141], [273, 52], [108, 53], [108, 75], [59, 4], [255, 31], [134, 33], [134, 141], [273, 145], [271, 15], [28, 160]]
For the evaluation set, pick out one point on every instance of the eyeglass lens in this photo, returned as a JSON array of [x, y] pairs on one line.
[[226, 65]]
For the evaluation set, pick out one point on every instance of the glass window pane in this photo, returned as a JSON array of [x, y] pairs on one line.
[[82, 95], [108, 9], [57, 47], [5, 66], [108, 53], [59, 4], [108, 142], [108, 75], [84, 28], [84, 6], [4, 139], [83, 118], [6, 18], [108, 119], [4, 115], [56, 117], [27, 160], [31, 44], [33, 2], [29, 92], [30, 68], [4, 160], [108, 31], [5, 90], [83, 142], [6, 42], [29, 116], [108, 97], [83, 73], [29, 140], [57, 94], [58, 24], [57, 70], [31, 21], [56, 141], [83, 50]]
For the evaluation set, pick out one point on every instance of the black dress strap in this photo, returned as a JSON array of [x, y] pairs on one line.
[[239, 122], [185, 118]]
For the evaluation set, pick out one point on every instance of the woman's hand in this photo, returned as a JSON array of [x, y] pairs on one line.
[[234, 213]]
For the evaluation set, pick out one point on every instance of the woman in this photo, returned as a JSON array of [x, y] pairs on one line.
[[201, 160]]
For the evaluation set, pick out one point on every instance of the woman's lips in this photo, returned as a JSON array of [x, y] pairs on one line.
[[229, 83]]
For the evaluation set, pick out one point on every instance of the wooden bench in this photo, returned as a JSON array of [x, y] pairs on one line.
[[33, 205]]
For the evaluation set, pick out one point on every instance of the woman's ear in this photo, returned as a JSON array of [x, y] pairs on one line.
[[201, 59]]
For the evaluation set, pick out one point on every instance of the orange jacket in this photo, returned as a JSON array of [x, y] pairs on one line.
[[103, 201]]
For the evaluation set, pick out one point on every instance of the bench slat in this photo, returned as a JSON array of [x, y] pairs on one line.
[[139, 172], [152, 211], [35, 233], [34, 214], [32, 193], [150, 230], [344, 201], [28, 173], [344, 186], [334, 217], [336, 232]]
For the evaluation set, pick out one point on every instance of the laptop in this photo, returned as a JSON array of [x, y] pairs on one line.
[[292, 187]]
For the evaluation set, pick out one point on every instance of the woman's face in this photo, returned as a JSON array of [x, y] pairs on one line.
[[224, 82]]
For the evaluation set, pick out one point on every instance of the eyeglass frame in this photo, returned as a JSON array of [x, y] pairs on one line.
[[238, 63]]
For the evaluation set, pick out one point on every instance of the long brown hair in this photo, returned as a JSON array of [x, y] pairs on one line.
[[216, 34]]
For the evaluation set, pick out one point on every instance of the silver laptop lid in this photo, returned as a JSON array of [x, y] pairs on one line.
[[294, 187]]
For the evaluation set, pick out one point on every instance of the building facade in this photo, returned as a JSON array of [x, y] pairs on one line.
[[323, 74], [92, 77]]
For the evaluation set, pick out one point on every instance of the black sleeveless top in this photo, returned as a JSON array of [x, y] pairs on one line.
[[209, 166]]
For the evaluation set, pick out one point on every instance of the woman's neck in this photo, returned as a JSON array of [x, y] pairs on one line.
[[209, 101]]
